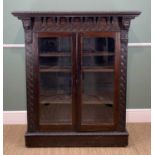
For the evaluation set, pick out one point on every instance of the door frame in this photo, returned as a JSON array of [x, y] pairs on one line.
[[106, 126], [57, 127]]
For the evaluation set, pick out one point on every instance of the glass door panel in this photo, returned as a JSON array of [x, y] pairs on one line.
[[98, 60], [55, 61]]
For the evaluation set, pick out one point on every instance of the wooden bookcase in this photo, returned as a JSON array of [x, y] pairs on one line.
[[76, 66]]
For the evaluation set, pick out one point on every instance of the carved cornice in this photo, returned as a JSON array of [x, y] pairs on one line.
[[76, 21]]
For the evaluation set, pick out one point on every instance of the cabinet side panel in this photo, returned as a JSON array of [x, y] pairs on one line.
[[123, 80], [30, 77]]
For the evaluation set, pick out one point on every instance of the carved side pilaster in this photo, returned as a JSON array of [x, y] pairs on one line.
[[31, 118], [123, 72]]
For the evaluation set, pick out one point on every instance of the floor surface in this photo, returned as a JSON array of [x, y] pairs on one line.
[[139, 143]]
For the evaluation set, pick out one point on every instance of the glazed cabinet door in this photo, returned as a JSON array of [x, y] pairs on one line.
[[98, 59], [56, 81]]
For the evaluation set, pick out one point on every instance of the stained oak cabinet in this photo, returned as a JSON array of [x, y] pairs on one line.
[[76, 77]]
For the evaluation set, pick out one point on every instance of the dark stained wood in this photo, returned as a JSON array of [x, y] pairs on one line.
[[116, 81], [61, 114], [57, 119], [98, 53], [98, 69], [74, 14], [74, 78], [79, 81], [55, 69], [63, 54], [54, 54], [76, 139], [106, 98], [114, 112]]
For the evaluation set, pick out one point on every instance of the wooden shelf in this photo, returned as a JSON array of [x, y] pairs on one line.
[[84, 69], [55, 69], [55, 54], [63, 54], [98, 53], [106, 98], [56, 99], [98, 69]]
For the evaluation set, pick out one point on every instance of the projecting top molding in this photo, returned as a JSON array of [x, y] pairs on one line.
[[23, 14], [76, 21]]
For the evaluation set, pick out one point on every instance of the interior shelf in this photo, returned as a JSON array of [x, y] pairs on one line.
[[98, 53], [98, 69], [63, 54], [106, 98], [84, 69], [54, 69], [55, 99], [55, 54]]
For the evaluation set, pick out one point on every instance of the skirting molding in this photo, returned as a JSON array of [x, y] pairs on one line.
[[132, 116], [129, 44], [13, 45], [139, 44]]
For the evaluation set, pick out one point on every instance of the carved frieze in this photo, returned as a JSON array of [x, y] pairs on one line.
[[74, 24]]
